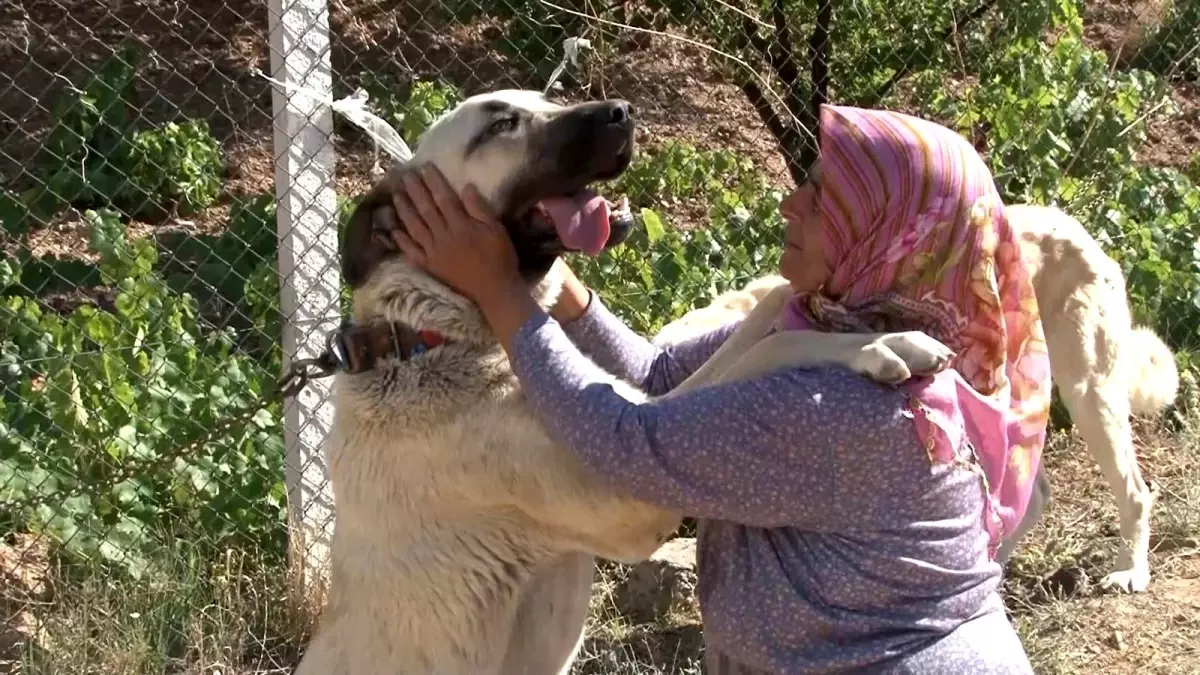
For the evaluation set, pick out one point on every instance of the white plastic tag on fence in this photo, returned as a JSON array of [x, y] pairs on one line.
[[354, 107], [571, 48]]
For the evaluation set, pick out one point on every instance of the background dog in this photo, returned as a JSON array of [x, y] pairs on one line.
[[465, 535], [1105, 368]]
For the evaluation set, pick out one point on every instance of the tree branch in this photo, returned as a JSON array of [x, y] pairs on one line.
[[765, 111], [787, 137], [796, 133], [783, 66], [784, 61], [957, 27], [819, 48]]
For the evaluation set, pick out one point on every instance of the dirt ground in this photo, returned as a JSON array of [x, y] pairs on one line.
[[203, 53], [1068, 626]]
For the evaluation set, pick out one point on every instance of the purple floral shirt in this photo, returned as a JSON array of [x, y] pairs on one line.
[[828, 541]]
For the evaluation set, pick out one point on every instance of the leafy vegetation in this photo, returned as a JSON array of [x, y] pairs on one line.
[[94, 156], [99, 405], [409, 109], [665, 271]]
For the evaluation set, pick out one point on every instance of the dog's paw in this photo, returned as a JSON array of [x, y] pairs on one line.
[[878, 362], [922, 355], [1133, 580]]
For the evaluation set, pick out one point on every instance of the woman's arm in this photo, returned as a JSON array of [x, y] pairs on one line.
[[764, 453], [619, 350], [463, 243]]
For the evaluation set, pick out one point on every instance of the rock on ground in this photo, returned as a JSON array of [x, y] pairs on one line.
[[662, 587]]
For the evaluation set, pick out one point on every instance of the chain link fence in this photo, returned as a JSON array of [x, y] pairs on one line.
[[155, 250]]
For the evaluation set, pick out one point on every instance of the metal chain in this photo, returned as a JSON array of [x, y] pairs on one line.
[[298, 375]]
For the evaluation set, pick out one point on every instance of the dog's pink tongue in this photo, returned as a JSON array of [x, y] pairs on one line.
[[581, 221]]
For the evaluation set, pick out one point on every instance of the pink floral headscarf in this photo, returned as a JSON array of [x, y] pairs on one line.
[[916, 238]]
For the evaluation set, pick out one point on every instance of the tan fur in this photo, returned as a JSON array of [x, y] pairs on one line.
[[725, 309], [465, 535], [1105, 369]]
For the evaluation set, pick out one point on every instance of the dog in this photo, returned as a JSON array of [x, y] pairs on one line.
[[465, 536], [1104, 367], [726, 309]]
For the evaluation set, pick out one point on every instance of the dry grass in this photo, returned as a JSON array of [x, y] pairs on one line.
[[1067, 626], [191, 615]]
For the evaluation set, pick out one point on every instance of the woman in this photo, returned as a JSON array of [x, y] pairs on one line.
[[845, 526]]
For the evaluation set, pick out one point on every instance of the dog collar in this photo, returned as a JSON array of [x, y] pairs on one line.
[[357, 348]]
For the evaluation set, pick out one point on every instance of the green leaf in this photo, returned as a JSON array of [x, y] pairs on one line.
[[654, 225], [263, 419]]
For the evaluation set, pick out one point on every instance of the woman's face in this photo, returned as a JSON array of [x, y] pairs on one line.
[[803, 260]]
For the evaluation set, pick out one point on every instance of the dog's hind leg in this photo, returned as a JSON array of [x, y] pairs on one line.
[[1087, 336], [1094, 360], [1100, 409], [548, 628]]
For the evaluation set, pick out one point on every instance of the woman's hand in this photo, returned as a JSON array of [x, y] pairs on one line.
[[461, 242], [456, 239]]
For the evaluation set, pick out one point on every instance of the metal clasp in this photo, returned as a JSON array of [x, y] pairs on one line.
[[301, 371]]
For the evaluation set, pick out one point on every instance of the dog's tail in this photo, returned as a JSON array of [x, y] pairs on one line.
[[1153, 375]]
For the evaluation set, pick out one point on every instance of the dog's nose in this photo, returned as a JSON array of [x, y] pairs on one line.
[[619, 112]]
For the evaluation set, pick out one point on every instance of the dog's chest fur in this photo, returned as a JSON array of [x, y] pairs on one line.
[[424, 542]]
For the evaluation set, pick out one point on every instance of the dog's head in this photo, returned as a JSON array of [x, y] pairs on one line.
[[533, 160]]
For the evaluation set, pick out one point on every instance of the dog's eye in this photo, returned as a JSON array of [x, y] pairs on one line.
[[503, 126]]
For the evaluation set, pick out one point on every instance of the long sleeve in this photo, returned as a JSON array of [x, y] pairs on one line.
[[764, 453], [618, 350]]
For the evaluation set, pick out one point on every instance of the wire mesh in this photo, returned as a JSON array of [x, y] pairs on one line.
[[141, 457]]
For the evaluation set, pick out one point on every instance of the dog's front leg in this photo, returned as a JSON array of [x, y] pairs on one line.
[[890, 358], [747, 334], [556, 489], [884, 357]]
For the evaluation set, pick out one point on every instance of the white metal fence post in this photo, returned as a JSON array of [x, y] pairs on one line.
[[308, 259]]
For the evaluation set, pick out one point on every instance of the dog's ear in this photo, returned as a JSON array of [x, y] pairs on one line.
[[367, 240]]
